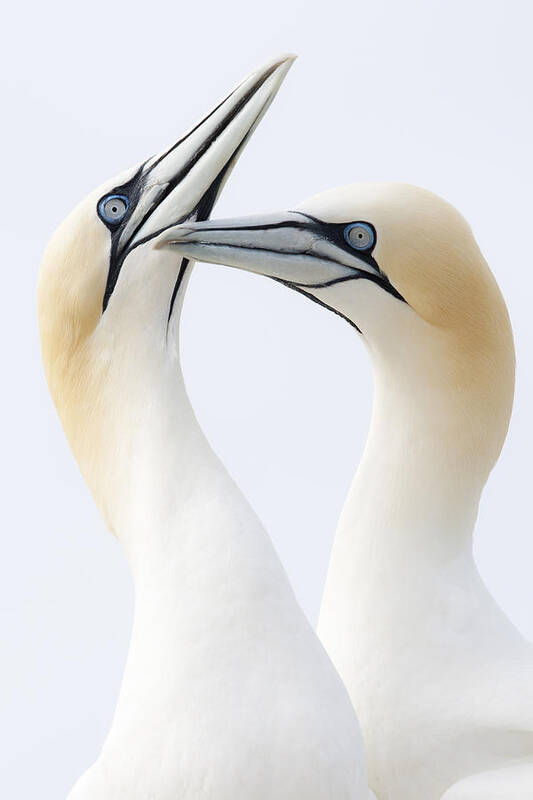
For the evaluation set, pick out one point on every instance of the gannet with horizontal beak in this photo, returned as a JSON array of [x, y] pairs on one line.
[[440, 679], [227, 691]]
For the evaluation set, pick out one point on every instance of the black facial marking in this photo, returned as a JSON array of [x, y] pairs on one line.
[[334, 233], [133, 189]]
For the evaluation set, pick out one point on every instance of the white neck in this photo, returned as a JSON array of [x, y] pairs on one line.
[[204, 567], [405, 615], [411, 508], [224, 676], [437, 426], [414, 487]]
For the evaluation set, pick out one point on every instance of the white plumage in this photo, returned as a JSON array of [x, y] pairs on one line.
[[441, 681], [227, 692]]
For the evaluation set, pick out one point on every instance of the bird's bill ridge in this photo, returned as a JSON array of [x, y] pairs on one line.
[[291, 247]]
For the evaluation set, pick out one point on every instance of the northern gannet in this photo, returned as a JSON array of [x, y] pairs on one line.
[[227, 692], [441, 681]]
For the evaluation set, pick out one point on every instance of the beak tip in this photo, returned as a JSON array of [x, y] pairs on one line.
[[286, 61], [280, 64], [290, 58]]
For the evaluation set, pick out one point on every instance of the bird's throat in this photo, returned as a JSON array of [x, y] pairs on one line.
[[211, 597]]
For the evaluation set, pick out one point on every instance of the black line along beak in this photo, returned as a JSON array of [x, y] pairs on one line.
[[183, 182], [292, 247]]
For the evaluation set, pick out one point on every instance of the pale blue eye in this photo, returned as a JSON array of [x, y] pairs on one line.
[[113, 207], [359, 235]]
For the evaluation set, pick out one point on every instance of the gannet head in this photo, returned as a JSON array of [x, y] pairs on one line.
[[104, 292], [402, 266]]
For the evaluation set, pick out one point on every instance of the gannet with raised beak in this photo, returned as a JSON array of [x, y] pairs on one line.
[[440, 679], [227, 692]]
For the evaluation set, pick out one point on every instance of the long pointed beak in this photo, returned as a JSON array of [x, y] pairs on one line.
[[183, 182], [293, 247], [200, 162]]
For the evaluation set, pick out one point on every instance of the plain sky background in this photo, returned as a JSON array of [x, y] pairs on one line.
[[437, 93]]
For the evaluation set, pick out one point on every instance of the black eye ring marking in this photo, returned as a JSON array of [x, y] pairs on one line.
[[126, 196], [336, 233]]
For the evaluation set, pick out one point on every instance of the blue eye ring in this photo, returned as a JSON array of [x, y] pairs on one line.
[[360, 236], [113, 213]]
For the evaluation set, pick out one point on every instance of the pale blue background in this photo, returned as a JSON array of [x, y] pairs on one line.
[[437, 93]]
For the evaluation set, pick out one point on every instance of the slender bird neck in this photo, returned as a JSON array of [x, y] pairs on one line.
[[211, 597], [156, 480], [415, 487], [170, 501], [208, 585], [437, 428]]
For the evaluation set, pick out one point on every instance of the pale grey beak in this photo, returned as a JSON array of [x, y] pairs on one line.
[[183, 182], [295, 248]]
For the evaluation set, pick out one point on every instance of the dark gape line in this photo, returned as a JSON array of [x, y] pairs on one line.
[[202, 212], [183, 269], [205, 206], [298, 289], [132, 189], [332, 232]]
